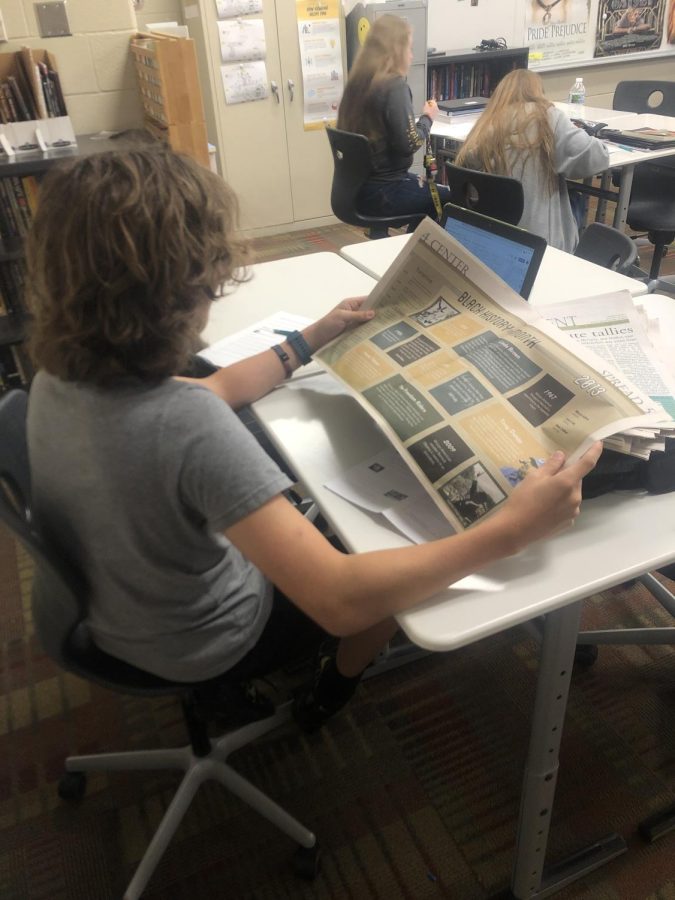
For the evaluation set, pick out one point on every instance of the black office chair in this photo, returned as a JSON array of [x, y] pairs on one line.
[[607, 247], [645, 97], [492, 195], [652, 200], [351, 159], [59, 610]]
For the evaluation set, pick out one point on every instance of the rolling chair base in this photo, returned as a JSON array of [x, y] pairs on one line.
[[198, 769]]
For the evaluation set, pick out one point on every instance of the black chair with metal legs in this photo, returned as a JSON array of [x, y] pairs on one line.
[[59, 610], [497, 196], [607, 247], [652, 200], [351, 160]]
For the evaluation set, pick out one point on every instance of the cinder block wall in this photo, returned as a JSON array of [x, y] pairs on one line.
[[94, 62]]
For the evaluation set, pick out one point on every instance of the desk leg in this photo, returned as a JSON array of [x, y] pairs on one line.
[[621, 210], [601, 210], [530, 879]]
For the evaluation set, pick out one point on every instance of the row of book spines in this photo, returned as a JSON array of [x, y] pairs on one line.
[[465, 80], [16, 368], [18, 198], [12, 282]]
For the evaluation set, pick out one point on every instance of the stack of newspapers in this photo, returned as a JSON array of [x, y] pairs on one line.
[[473, 386]]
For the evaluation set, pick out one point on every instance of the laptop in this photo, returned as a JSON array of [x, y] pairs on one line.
[[462, 105], [511, 252]]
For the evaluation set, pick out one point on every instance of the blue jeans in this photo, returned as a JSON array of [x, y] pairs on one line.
[[399, 198]]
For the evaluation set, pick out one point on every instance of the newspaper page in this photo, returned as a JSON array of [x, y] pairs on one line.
[[617, 332], [470, 384]]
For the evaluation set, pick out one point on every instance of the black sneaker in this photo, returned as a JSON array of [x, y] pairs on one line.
[[315, 703]]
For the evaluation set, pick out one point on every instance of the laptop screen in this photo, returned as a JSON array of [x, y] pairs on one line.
[[511, 252]]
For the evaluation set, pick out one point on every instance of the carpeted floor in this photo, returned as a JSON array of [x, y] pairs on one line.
[[413, 791]]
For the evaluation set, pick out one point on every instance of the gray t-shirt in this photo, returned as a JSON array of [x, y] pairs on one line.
[[138, 482]]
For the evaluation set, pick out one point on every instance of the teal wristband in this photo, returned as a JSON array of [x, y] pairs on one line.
[[300, 346]]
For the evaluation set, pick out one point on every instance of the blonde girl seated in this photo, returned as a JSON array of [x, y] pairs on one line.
[[522, 135]]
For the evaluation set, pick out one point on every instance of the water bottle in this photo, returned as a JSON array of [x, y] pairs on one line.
[[578, 92]]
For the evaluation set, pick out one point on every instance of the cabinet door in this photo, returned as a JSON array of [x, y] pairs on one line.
[[309, 157], [251, 136]]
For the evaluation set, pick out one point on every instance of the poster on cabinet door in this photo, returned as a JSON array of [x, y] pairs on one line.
[[629, 26], [557, 30], [244, 81], [228, 9], [671, 23], [321, 58], [242, 39]]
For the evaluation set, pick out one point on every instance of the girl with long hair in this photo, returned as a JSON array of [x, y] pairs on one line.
[[522, 135], [377, 102]]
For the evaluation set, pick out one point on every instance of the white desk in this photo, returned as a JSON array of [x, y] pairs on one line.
[[321, 431], [309, 285], [624, 160], [561, 275]]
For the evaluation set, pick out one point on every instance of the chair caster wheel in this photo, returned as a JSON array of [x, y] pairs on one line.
[[586, 655], [307, 862], [72, 786]]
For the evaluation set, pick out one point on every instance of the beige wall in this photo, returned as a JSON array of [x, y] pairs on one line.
[[158, 11], [600, 80], [94, 63]]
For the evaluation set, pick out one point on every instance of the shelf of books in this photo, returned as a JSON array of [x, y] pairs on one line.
[[17, 201], [471, 73]]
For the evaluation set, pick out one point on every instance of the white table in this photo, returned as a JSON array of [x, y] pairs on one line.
[[308, 285], [622, 159], [561, 275], [321, 431]]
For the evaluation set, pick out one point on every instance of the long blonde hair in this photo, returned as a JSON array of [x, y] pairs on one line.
[[382, 58], [515, 125]]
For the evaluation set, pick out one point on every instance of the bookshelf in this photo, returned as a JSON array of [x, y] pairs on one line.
[[166, 69], [19, 181], [467, 73], [471, 73]]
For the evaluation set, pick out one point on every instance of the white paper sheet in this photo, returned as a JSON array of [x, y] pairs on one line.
[[245, 81]]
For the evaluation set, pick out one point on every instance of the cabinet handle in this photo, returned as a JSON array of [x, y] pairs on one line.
[[275, 90], [291, 88]]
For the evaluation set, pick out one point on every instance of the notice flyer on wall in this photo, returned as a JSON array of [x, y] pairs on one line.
[[629, 26], [321, 59], [228, 9], [242, 39], [557, 30], [471, 385], [245, 81]]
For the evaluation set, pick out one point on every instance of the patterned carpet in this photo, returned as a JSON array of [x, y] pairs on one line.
[[413, 791]]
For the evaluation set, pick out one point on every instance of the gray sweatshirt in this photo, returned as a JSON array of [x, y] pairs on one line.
[[577, 155]]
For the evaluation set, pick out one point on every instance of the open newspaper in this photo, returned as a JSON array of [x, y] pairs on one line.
[[471, 385]]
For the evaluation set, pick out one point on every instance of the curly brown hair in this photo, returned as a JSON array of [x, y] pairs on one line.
[[126, 251]]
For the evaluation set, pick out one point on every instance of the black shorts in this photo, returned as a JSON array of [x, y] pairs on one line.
[[289, 635]]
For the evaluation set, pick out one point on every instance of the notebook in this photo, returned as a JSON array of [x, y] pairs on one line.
[[643, 138], [511, 252]]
